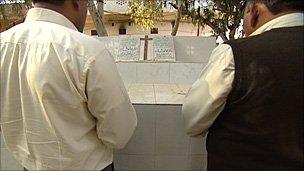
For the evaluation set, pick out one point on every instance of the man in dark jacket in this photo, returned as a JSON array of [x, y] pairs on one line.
[[250, 95]]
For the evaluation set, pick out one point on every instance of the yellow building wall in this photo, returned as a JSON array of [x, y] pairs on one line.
[[164, 28]]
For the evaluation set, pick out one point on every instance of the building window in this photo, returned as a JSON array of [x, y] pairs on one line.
[[113, 24], [94, 33], [122, 31], [154, 30]]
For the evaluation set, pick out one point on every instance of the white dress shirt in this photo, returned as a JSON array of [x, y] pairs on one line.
[[63, 103], [207, 97]]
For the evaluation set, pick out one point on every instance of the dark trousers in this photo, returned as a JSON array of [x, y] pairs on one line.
[[108, 168]]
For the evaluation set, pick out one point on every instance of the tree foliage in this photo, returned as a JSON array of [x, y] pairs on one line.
[[145, 13], [221, 15], [10, 10]]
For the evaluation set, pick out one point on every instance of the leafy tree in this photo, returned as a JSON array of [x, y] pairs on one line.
[[221, 15], [10, 10], [145, 13]]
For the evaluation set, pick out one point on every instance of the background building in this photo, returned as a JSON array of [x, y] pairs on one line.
[[118, 22]]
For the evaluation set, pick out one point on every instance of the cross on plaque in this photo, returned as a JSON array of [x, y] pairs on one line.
[[190, 50], [146, 39]]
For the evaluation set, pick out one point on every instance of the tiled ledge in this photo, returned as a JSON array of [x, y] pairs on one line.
[[160, 73], [160, 94]]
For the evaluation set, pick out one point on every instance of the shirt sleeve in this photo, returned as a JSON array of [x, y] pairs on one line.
[[108, 101], [207, 97]]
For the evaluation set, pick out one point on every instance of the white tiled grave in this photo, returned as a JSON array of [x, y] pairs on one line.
[[157, 90], [157, 94], [160, 72], [160, 142]]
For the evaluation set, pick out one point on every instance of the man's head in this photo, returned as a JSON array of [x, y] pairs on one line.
[[74, 10], [259, 12]]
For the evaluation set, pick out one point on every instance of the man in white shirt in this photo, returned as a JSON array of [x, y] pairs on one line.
[[250, 95], [63, 103]]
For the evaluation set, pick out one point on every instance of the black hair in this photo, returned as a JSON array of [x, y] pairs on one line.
[[278, 6], [54, 2]]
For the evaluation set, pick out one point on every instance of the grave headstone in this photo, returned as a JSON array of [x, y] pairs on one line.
[[128, 49], [123, 48], [163, 48], [136, 48]]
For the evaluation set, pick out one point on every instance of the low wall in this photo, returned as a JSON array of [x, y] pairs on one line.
[[193, 49], [160, 142], [159, 73]]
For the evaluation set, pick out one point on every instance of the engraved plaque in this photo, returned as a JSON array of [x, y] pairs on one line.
[[163, 48], [122, 48], [128, 49]]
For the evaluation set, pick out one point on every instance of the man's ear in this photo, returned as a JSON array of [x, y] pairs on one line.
[[255, 14]]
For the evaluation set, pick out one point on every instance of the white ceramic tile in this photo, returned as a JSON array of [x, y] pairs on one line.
[[142, 94], [168, 94], [198, 146], [185, 73], [149, 73], [143, 139], [127, 72], [134, 162], [193, 49], [184, 88], [171, 138], [197, 162], [164, 162]]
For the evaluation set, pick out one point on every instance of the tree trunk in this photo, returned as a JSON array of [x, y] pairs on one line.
[[177, 18], [100, 9], [97, 18], [198, 29], [232, 33]]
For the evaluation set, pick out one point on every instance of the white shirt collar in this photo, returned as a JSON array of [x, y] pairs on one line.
[[43, 14], [288, 20]]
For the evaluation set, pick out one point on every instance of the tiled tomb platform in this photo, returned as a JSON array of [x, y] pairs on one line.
[[157, 90], [160, 142], [158, 83]]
